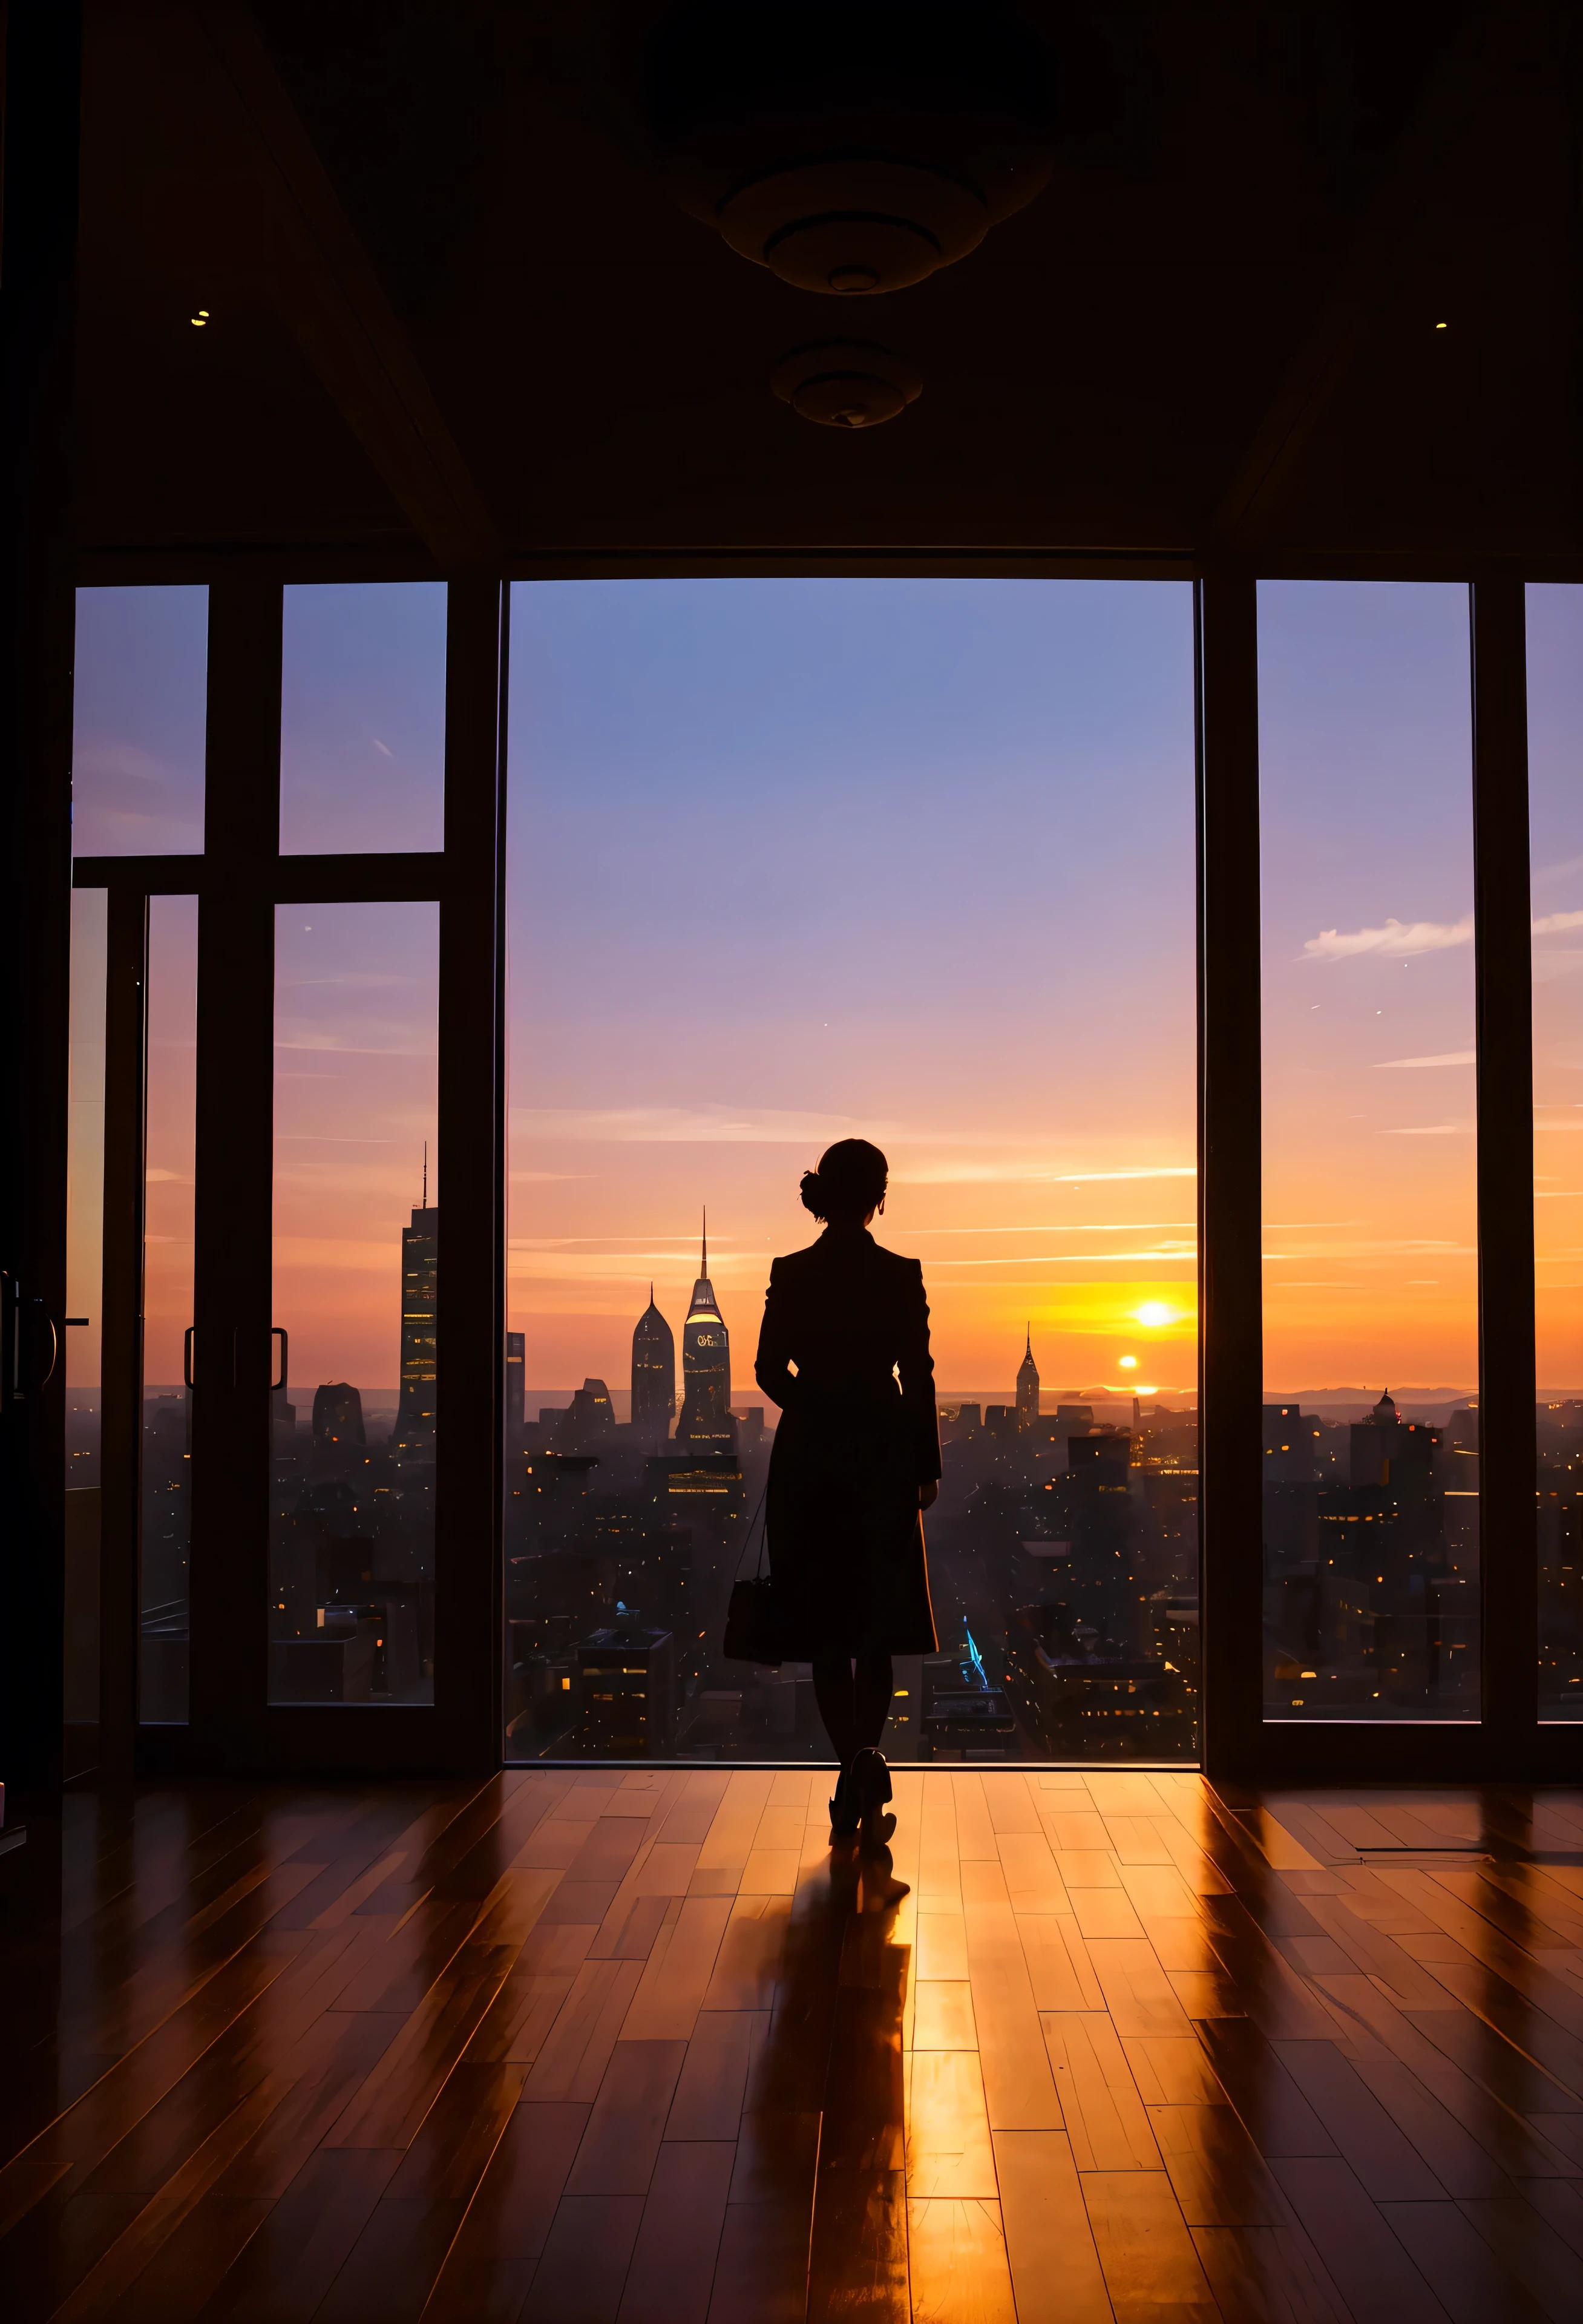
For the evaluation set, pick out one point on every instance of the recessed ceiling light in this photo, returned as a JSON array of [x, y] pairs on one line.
[[846, 382], [200, 319]]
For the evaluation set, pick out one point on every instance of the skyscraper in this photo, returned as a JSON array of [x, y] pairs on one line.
[[337, 1416], [419, 1308], [654, 1372], [516, 1372], [587, 1422], [705, 1366], [1028, 1387]]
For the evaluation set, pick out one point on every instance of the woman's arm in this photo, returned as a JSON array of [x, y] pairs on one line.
[[772, 1366], [915, 1367]]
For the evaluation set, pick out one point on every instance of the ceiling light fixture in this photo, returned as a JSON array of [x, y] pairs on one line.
[[851, 153], [846, 383], [200, 319]]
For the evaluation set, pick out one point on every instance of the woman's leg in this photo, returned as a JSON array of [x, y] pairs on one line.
[[833, 1692], [873, 1685]]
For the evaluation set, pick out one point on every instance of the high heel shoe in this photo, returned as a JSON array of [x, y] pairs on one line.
[[845, 1808], [869, 1784]]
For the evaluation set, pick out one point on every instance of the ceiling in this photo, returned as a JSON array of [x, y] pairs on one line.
[[455, 315]]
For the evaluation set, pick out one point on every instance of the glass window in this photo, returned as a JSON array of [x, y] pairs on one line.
[[362, 717], [139, 700], [1555, 762], [85, 1250], [164, 1603], [357, 1257], [793, 861], [85, 1220], [1370, 1312]]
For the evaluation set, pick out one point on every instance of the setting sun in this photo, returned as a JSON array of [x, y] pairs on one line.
[[1153, 1312]]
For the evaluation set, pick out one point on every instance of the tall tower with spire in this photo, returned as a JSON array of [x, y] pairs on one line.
[[1027, 1385], [415, 1417], [654, 1372], [705, 1367]]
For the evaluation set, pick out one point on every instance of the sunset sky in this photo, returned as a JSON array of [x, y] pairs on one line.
[[1367, 844], [356, 985], [913, 860], [792, 860], [1555, 764]]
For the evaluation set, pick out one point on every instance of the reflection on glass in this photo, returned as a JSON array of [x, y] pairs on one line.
[[167, 1255], [1370, 1420], [1555, 762], [797, 860], [85, 1244], [362, 717], [139, 695], [356, 1273], [84, 1185]]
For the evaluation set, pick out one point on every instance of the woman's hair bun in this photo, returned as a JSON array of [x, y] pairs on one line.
[[850, 1182]]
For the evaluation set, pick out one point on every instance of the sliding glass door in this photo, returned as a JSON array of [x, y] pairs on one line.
[[291, 1498]]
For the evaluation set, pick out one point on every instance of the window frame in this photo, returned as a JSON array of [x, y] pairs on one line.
[[465, 1729], [239, 879]]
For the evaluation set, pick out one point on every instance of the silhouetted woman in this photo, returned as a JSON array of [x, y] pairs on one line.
[[844, 1351]]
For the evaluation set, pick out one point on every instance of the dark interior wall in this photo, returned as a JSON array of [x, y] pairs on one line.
[[37, 273]]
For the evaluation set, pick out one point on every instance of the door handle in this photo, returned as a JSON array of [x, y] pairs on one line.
[[20, 1314], [277, 1331], [187, 1357]]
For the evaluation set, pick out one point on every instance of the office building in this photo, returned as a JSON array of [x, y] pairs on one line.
[[415, 1419], [626, 1693], [1027, 1385], [337, 1418], [654, 1372], [705, 1415], [515, 1414]]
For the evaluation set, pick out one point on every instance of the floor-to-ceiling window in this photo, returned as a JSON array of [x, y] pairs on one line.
[[138, 792], [790, 860], [797, 860], [265, 935], [355, 1257], [1555, 777], [1370, 1445]]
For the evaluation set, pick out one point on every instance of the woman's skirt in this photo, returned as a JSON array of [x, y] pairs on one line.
[[845, 1535]]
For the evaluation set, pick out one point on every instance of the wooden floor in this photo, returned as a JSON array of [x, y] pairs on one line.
[[639, 2048]]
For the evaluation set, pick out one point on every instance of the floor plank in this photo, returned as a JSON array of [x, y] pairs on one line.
[[1056, 2271], [1151, 2267], [672, 2273], [957, 2266]]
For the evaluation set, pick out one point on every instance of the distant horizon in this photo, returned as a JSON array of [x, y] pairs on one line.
[[1439, 1392]]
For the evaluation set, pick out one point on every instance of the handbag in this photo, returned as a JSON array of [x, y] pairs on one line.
[[752, 1620]]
